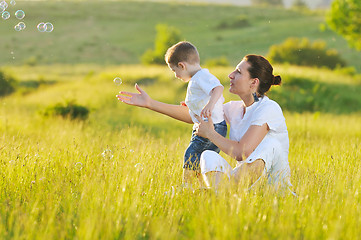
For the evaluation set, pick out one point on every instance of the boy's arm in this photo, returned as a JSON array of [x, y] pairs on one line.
[[216, 93], [142, 99]]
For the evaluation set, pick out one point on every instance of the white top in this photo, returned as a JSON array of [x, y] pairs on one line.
[[259, 113], [198, 95]]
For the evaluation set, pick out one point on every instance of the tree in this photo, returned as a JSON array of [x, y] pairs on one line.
[[344, 18], [165, 38]]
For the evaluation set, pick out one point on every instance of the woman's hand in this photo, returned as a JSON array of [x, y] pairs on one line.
[[204, 128], [140, 99]]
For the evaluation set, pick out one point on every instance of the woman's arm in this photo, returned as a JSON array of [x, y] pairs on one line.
[[142, 99], [238, 150]]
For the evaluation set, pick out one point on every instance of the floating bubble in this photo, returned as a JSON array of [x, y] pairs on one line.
[[2, 9], [49, 27], [13, 2], [138, 167], [117, 81], [22, 25], [78, 166], [17, 28], [107, 154], [4, 5], [5, 15], [19, 14], [41, 27]]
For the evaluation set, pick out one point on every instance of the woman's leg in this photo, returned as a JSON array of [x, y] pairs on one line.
[[213, 179], [246, 173], [214, 168], [189, 178]]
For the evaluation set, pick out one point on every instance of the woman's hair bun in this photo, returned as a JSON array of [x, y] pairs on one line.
[[276, 80]]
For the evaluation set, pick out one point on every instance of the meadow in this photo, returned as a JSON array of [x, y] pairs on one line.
[[116, 174], [119, 32], [60, 182]]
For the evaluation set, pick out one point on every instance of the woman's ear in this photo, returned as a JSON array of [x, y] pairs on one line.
[[255, 82]]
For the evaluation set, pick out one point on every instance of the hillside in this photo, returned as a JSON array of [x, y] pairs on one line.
[[312, 4], [120, 32]]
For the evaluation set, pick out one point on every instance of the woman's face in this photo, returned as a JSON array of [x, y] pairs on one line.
[[240, 79]]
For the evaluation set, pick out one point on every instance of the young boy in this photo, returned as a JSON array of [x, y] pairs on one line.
[[204, 98]]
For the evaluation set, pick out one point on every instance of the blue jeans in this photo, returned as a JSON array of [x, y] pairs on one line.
[[198, 144]]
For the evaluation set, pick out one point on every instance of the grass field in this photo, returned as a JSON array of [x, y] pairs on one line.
[[115, 175], [119, 32], [56, 183]]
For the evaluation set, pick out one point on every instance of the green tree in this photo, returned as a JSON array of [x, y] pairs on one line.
[[165, 38], [344, 18]]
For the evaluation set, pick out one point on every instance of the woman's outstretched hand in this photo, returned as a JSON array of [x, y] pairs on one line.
[[204, 128], [140, 99]]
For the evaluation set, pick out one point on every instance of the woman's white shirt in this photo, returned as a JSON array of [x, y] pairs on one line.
[[259, 113]]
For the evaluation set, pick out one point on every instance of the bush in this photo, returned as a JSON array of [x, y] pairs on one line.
[[299, 4], [214, 62], [238, 22], [7, 84], [68, 110], [165, 38], [267, 2], [302, 52]]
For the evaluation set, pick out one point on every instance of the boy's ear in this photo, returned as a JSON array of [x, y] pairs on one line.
[[181, 65]]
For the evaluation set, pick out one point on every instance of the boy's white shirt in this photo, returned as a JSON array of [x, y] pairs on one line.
[[198, 95]]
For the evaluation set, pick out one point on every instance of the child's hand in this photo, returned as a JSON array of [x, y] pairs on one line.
[[140, 99], [207, 111]]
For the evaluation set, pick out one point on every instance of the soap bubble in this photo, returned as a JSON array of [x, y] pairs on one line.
[[107, 154], [22, 25], [19, 14], [12, 2], [17, 28], [138, 167], [78, 166], [49, 27], [5, 15], [3, 5], [117, 81], [41, 27]]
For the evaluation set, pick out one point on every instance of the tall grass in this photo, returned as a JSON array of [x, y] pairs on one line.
[[56, 183]]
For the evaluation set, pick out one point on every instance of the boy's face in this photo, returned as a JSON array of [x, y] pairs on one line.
[[180, 71]]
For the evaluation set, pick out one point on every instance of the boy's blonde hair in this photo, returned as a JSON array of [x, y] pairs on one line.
[[182, 52]]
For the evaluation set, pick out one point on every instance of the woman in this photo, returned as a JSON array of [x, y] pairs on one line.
[[258, 132]]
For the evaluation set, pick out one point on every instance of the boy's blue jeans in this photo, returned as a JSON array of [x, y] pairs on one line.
[[198, 144]]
